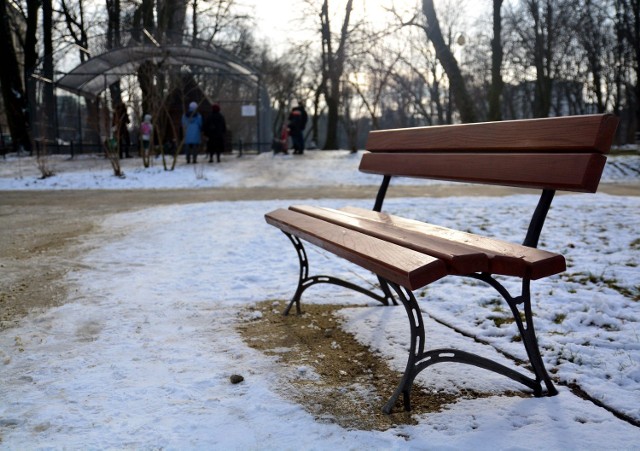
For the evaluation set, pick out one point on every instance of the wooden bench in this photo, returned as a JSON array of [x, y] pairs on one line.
[[565, 153]]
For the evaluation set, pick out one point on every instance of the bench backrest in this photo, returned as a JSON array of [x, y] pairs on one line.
[[562, 153]]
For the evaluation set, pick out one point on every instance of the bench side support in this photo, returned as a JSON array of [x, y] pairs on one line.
[[419, 360], [382, 192], [304, 281], [526, 329], [538, 218], [530, 341]]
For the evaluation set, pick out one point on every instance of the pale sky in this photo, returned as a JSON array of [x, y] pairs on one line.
[[279, 20]]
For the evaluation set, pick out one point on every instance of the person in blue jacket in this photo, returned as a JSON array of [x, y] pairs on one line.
[[192, 125]]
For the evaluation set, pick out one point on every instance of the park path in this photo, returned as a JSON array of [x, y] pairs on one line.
[[40, 228]]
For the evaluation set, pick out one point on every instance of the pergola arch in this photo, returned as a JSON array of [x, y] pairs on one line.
[[91, 78]]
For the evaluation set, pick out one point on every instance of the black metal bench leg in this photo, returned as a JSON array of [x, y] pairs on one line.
[[384, 286], [526, 329], [530, 341], [416, 349], [419, 359], [304, 281], [304, 273]]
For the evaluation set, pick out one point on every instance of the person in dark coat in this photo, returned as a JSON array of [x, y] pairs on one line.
[[297, 123], [215, 129]]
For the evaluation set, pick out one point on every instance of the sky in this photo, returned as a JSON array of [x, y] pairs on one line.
[[285, 21], [140, 354]]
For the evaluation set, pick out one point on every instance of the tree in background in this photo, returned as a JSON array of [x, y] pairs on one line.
[[495, 91], [76, 26], [171, 20], [114, 41], [597, 47], [538, 60], [543, 40], [627, 18], [333, 58], [13, 91], [461, 97]]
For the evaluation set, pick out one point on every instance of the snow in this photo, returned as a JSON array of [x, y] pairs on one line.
[[140, 355]]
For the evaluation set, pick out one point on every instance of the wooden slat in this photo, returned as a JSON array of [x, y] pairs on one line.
[[406, 267], [504, 257], [571, 172], [591, 133], [460, 259]]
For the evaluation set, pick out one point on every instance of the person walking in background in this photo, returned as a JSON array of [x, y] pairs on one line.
[[297, 123], [146, 130], [295, 129], [192, 125], [215, 129]]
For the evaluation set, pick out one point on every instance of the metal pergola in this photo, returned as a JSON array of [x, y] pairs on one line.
[[93, 77]]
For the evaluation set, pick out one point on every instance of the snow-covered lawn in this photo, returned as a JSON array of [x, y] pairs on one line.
[[140, 355]]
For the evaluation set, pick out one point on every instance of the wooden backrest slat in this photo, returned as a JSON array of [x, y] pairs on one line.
[[590, 133], [571, 172], [560, 153]]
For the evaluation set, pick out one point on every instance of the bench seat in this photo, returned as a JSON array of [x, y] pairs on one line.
[[408, 252], [396, 263]]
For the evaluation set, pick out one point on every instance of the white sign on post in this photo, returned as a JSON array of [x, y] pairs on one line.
[[248, 110]]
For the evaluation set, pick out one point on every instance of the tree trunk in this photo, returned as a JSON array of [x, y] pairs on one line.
[[633, 39], [461, 97], [30, 60], [543, 85], [113, 41], [334, 68], [49, 100], [315, 118], [594, 49], [76, 27], [113, 24], [171, 20], [12, 88], [31, 40], [147, 70], [495, 90]]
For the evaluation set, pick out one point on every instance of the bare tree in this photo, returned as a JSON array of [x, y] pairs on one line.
[[461, 97], [628, 40], [370, 80], [74, 19], [370, 71], [171, 20], [114, 41], [417, 76], [143, 18], [593, 17], [284, 76], [13, 91], [334, 54], [47, 69], [217, 21], [495, 91], [542, 39]]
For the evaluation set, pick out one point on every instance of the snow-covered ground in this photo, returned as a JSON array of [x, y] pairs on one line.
[[140, 355]]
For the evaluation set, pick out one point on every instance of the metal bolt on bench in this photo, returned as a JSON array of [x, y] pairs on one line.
[[565, 153]]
